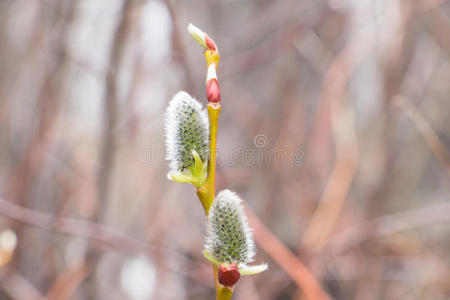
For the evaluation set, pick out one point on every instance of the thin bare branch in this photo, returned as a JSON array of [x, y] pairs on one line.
[[426, 131], [95, 232], [304, 279], [391, 224]]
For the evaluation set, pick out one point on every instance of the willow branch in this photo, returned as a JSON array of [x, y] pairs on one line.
[[206, 193]]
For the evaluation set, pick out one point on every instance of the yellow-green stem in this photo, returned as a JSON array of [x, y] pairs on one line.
[[206, 193], [222, 292]]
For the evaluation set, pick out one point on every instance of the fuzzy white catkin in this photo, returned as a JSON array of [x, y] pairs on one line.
[[229, 235], [187, 129]]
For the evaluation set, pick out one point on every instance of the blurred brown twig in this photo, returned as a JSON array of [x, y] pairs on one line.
[[390, 224], [304, 279], [426, 131], [92, 231]]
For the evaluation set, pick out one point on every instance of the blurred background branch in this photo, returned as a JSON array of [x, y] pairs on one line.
[[334, 130]]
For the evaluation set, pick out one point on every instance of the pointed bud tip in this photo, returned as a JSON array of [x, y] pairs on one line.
[[194, 30], [201, 37], [197, 34]]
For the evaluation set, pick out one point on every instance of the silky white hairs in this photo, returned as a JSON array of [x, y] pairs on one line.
[[187, 129], [229, 235]]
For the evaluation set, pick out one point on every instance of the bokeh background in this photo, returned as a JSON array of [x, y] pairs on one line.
[[335, 130]]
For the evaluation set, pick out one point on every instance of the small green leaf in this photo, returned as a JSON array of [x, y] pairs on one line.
[[198, 170], [251, 270], [180, 177], [196, 175], [211, 259], [183, 177], [198, 165]]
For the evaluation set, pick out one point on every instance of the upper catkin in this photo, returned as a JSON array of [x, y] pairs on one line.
[[229, 235], [187, 129]]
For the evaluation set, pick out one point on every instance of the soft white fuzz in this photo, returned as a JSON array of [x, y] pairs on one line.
[[187, 129], [229, 235]]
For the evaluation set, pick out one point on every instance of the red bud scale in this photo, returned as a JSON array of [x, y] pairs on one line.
[[229, 274], [210, 43], [213, 91]]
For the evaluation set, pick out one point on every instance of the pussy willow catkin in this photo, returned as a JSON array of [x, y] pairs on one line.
[[229, 236], [187, 129]]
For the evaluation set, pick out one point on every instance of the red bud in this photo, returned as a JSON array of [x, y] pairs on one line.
[[210, 43], [229, 275], [213, 91]]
